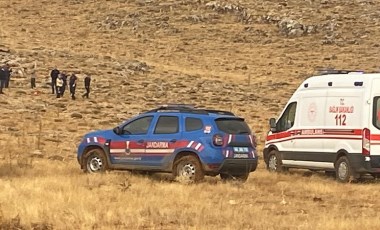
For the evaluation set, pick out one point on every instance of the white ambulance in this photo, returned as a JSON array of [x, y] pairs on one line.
[[331, 123]]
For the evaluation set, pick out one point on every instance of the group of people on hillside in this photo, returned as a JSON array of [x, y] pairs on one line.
[[5, 75], [59, 83]]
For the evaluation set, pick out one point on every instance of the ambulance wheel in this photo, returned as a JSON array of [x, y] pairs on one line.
[[274, 163], [343, 170], [188, 169], [95, 161]]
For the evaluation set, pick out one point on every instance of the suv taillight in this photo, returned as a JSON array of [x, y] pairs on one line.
[[218, 140], [253, 140], [366, 138]]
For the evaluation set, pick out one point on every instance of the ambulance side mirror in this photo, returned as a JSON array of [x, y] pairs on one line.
[[272, 123]]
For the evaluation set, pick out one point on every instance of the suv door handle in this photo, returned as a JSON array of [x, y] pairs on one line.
[[173, 140]]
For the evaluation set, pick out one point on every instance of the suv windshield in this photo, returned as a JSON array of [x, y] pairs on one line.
[[233, 126]]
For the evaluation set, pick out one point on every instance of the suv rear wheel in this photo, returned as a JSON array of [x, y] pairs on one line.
[[188, 168], [95, 161]]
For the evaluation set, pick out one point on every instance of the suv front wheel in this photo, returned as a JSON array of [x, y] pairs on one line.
[[95, 161], [188, 168]]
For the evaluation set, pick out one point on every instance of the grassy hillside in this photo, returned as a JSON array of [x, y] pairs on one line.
[[246, 57]]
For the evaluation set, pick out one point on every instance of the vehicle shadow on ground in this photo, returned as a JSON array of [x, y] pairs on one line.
[[366, 179], [169, 178]]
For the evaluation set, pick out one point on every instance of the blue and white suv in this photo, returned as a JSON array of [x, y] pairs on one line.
[[187, 141]]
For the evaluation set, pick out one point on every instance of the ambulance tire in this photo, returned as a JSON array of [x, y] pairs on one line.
[[274, 163], [188, 169], [343, 170], [95, 161]]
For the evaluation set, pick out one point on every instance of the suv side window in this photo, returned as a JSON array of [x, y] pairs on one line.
[[287, 119], [139, 126], [376, 112], [192, 124], [167, 125]]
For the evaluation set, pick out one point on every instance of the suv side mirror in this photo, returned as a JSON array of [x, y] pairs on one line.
[[272, 123], [117, 130]]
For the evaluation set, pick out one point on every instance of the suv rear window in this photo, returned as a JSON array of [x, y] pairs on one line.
[[232, 126]]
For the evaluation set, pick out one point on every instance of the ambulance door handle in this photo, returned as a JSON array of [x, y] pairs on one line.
[[140, 142], [173, 140]]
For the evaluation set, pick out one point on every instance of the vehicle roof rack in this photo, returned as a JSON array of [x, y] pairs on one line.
[[337, 71], [187, 108], [222, 112]]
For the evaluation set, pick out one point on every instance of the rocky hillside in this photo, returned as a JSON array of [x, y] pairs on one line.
[[247, 57]]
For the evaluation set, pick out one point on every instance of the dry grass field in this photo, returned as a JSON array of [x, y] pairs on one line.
[[247, 57]]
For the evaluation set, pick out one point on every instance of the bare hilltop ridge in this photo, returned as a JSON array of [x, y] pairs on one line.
[[247, 57]]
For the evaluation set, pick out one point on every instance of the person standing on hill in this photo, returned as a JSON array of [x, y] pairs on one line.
[[7, 71], [33, 79], [87, 81], [73, 85], [59, 86], [2, 80], [64, 79], [54, 75]]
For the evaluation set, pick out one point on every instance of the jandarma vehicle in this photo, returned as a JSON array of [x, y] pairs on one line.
[[186, 141]]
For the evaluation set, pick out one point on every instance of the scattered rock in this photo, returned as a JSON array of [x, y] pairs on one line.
[[21, 92], [13, 129], [138, 66], [4, 49], [56, 158], [292, 28], [37, 154], [232, 202], [76, 115]]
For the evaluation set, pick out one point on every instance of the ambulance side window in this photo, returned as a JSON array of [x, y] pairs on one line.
[[287, 119], [376, 112]]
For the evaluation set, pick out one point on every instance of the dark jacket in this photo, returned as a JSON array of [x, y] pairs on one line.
[[87, 81], [2, 74], [54, 74], [64, 78], [7, 72], [72, 80]]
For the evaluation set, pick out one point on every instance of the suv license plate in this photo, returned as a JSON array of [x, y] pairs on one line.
[[240, 155], [241, 150]]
